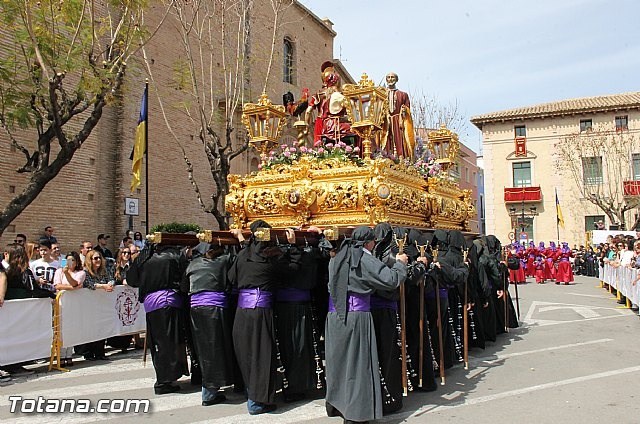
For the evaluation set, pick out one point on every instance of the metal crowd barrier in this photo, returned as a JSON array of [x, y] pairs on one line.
[[621, 280]]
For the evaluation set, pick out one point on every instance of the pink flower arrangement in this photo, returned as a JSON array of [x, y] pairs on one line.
[[287, 155]]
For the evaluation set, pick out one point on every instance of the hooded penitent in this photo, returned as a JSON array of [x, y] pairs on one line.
[[347, 258]]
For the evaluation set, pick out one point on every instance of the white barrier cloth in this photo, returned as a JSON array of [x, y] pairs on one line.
[[25, 330], [90, 315]]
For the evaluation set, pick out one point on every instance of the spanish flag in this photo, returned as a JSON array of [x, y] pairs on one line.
[[140, 143], [559, 211]]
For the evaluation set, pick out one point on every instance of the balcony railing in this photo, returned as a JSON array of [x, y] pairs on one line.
[[522, 194], [631, 188]]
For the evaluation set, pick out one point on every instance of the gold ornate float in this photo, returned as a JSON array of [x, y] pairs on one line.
[[336, 192]]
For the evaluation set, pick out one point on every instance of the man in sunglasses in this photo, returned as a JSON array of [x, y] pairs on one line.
[[21, 239]]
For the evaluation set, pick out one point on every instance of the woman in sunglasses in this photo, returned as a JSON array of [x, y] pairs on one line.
[[98, 276], [123, 260]]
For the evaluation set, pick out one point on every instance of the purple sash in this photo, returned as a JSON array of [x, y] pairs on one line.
[[378, 302], [356, 302], [293, 295], [254, 298], [432, 294], [563, 259], [209, 298], [162, 299]]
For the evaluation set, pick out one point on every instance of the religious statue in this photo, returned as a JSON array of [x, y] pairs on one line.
[[331, 123], [400, 138]]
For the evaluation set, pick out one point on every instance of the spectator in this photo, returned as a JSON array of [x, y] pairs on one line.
[[21, 283], [21, 239], [635, 260], [138, 240], [45, 267], [135, 251], [125, 242], [3, 283], [599, 225], [98, 276], [85, 246], [123, 260], [48, 235], [31, 250], [70, 277], [5, 258], [55, 252], [102, 246], [4, 375]]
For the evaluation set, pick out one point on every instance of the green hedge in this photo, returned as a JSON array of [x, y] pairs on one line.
[[175, 227]]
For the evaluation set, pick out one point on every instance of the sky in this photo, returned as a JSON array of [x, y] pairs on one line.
[[490, 55]]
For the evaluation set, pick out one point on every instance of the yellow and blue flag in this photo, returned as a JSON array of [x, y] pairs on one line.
[[140, 143], [559, 211]]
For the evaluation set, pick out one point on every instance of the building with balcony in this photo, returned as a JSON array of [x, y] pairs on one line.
[[522, 173]]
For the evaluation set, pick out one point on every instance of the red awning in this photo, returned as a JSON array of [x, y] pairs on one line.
[[522, 194]]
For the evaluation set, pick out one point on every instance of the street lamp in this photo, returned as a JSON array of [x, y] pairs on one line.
[[513, 212], [366, 105], [264, 122]]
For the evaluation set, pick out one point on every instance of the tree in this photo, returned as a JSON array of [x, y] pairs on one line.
[[211, 32], [62, 63], [598, 161], [429, 113]]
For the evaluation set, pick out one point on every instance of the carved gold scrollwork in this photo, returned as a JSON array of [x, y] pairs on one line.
[[261, 201], [338, 196]]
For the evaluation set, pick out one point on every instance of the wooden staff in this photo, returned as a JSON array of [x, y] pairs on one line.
[[144, 356], [505, 287], [465, 319], [422, 249], [403, 325], [439, 322]]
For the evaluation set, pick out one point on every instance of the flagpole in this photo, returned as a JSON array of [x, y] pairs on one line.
[[146, 156], [557, 219]]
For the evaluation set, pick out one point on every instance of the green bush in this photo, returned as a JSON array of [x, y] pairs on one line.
[[175, 227]]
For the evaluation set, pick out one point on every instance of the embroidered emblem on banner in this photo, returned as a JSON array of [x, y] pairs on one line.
[[127, 306]]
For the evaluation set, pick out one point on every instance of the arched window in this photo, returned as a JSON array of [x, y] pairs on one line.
[[288, 64]]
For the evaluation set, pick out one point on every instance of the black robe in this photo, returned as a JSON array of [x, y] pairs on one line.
[[257, 266], [296, 326], [151, 272], [353, 377], [211, 326]]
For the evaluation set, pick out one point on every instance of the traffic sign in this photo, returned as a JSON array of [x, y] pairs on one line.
[[523, 236]]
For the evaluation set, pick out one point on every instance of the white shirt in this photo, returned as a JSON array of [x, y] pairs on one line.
[[626, 257], [42, 268]]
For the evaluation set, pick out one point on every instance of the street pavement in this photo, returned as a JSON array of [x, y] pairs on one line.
[[575, 359]]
